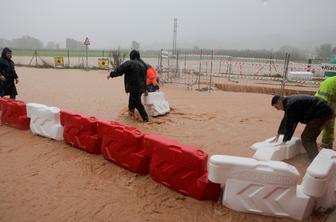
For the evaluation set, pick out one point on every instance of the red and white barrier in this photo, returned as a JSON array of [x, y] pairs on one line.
[[81, 131], [268, 150], [262, 187], [45, 121], [320, 179], [123, 145], [299, 75], [14, 113], [180, 167], [250, 185]]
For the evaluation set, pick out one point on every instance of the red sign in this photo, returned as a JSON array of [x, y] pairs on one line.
[[87, 41]]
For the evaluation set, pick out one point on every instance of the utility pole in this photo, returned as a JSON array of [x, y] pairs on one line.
[[174, 36]]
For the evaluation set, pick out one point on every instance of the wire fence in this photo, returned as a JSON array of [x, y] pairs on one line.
[[182, 68], [209, 69], [68, 58]]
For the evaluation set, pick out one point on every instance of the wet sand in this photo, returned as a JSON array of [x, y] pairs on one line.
[[45, 180]]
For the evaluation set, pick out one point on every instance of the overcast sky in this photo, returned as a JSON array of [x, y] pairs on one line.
[[229, 24]]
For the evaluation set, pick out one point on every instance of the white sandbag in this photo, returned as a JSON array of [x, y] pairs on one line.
[[267, 150], [263, 187], [320, 179], [45, 120], [156, 104]]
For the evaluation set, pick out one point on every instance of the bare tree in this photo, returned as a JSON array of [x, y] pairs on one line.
[[74, 44], [325, 51], [51, 45], [27, 42], [118, 57], [5, 43]]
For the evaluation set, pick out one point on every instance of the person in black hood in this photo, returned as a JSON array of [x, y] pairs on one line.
[[135, 82], [309, 110], [7, 74]]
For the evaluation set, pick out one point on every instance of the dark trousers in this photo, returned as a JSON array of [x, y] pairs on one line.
[[8, 89], [310, 134], [134, 102]]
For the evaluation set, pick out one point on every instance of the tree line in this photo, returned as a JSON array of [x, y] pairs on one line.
[[28, 42], [324, 52]]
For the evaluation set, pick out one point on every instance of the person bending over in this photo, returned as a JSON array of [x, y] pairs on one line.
[[309, 110]]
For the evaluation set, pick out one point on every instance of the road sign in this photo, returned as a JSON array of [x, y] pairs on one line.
[[87, 41], [103, 63], [58, 61]]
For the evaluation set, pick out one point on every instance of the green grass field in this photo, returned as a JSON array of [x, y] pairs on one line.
[[75, 53], [144, 54]]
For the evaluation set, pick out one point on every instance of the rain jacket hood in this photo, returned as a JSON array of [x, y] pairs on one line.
[[4, 52], [134, 54]]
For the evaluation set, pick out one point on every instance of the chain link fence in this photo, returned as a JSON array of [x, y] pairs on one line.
[[192, 70], [204, 68]]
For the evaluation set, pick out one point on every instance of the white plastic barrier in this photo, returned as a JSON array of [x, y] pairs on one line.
[[267, 150], [45, 120], [264, 187], [155, 104], [300, 76], [320, 179]]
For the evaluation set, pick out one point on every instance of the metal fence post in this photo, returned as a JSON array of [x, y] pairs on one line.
[[86, 55], [68, 57], [285, 74], [212, 57], [200, 70], [35, 57]]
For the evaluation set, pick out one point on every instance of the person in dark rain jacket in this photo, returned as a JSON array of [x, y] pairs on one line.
[[309, 110], [7, 75], [135, 82]]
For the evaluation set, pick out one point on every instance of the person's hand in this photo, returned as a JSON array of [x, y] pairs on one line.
[[275, 139], [16, 81], [2, 78], [108, 77], [282, 143], [146, 93]]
